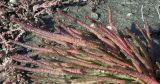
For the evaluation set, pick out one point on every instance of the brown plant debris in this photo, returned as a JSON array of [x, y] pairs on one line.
[[78, 57]]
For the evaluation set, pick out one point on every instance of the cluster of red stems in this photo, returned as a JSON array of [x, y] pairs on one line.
[[111, 53]]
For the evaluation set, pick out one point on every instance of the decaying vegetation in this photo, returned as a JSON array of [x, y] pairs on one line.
[[75, 56]]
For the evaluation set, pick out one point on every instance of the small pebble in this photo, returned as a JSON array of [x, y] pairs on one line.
[[92, 25], [84, 0], [129, 14], [109, 27], [13, 1], [94, 15]]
